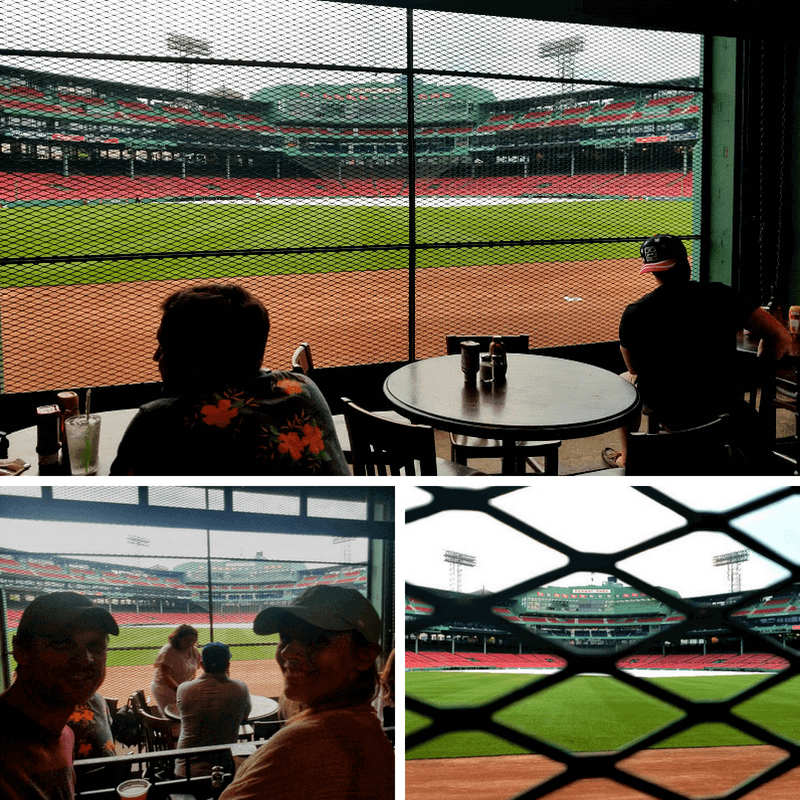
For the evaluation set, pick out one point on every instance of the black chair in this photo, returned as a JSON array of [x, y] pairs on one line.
[[266, 728], [462, 448], [769, 387], [383, 446], [140, 703], [160, 737], [302, 362], [705, 450]]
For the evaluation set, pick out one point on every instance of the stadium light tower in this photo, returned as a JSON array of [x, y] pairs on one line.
[[733, 561], [187, 46], [456, 562], [344, 540], [564, 51], [139, 542]]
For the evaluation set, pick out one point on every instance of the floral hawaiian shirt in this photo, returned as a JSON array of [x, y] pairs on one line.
[[91, 724], [278, 424]]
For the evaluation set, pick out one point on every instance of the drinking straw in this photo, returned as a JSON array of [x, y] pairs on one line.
[[86, 445]]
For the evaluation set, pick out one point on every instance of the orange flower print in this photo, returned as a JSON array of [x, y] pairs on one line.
[[289, 386], [84, 750], [292, 444], [220, 415], [81, 714], [312, 437]]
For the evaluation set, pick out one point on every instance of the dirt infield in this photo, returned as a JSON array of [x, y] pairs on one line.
[[694, 772], [261, 677], [104, 334]]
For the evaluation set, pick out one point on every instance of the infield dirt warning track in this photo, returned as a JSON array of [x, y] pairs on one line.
[[694, 772], [57, 337]]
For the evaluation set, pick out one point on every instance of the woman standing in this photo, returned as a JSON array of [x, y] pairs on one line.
[[176, 663]]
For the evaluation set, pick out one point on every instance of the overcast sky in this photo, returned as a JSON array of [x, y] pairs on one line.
[[600, 516], [148, 546], [315, 31]]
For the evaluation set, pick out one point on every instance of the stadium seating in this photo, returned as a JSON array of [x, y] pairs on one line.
[[717, 661]]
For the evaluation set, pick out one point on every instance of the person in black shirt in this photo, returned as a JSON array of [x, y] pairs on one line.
[[683, 326]]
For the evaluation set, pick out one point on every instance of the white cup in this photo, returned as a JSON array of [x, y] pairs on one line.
[[134, 789]]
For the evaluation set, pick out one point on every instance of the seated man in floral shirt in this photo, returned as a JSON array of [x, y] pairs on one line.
[[222, 414]]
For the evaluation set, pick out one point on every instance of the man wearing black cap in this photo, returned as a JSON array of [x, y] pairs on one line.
[[60, 648], [685, 327], [212, 707], [334, 746]]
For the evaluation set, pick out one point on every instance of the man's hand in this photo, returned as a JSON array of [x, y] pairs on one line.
[[775, 339]]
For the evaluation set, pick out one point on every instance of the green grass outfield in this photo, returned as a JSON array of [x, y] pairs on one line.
[[594, 714], [130, 228], [153, 638]]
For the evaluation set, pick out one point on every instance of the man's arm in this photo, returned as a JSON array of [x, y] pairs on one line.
[[775, 339], [628, 359]]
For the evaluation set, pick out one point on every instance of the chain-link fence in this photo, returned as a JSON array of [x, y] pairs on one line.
[[761, 522], [440, 172]]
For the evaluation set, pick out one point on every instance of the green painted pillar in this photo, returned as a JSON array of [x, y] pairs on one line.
[[718, 151]]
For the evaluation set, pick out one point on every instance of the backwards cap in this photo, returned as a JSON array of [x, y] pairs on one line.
[[332, 608], [216, 656], [50, 614], [661, 252]]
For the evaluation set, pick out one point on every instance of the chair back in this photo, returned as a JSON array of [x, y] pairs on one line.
[[138, 702], [704, 450], [383, 446], [159, 738], [266, 728], [111, 703], [158, 732], [513, 344], [301, 359]]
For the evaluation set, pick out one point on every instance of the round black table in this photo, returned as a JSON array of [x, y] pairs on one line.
[[261, 708], [542, 398]]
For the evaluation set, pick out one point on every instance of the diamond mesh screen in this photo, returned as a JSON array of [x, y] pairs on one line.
[[151, 145], [539, 527]]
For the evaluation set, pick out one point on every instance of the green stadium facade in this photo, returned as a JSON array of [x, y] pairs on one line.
[[69, 125], [604, 618], [139, 595]]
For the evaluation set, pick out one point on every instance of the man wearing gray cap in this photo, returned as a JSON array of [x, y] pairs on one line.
[[334, 746], [212, 707], [60, 648]]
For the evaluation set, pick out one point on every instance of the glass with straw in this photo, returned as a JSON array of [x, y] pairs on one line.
[[83, 440]]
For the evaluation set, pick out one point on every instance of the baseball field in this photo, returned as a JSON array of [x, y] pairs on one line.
[[567, 714], [596, 714], [253, 658], [62, 322], [115, 229], [149, 639]]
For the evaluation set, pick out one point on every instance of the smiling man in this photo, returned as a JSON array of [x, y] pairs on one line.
[[334, 747], [60, 648]]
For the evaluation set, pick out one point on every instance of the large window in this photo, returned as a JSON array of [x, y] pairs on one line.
[[159, 557], [438, 172]]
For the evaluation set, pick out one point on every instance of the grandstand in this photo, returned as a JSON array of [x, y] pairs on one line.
[[64, 138], [157, 596], [609, 616]]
